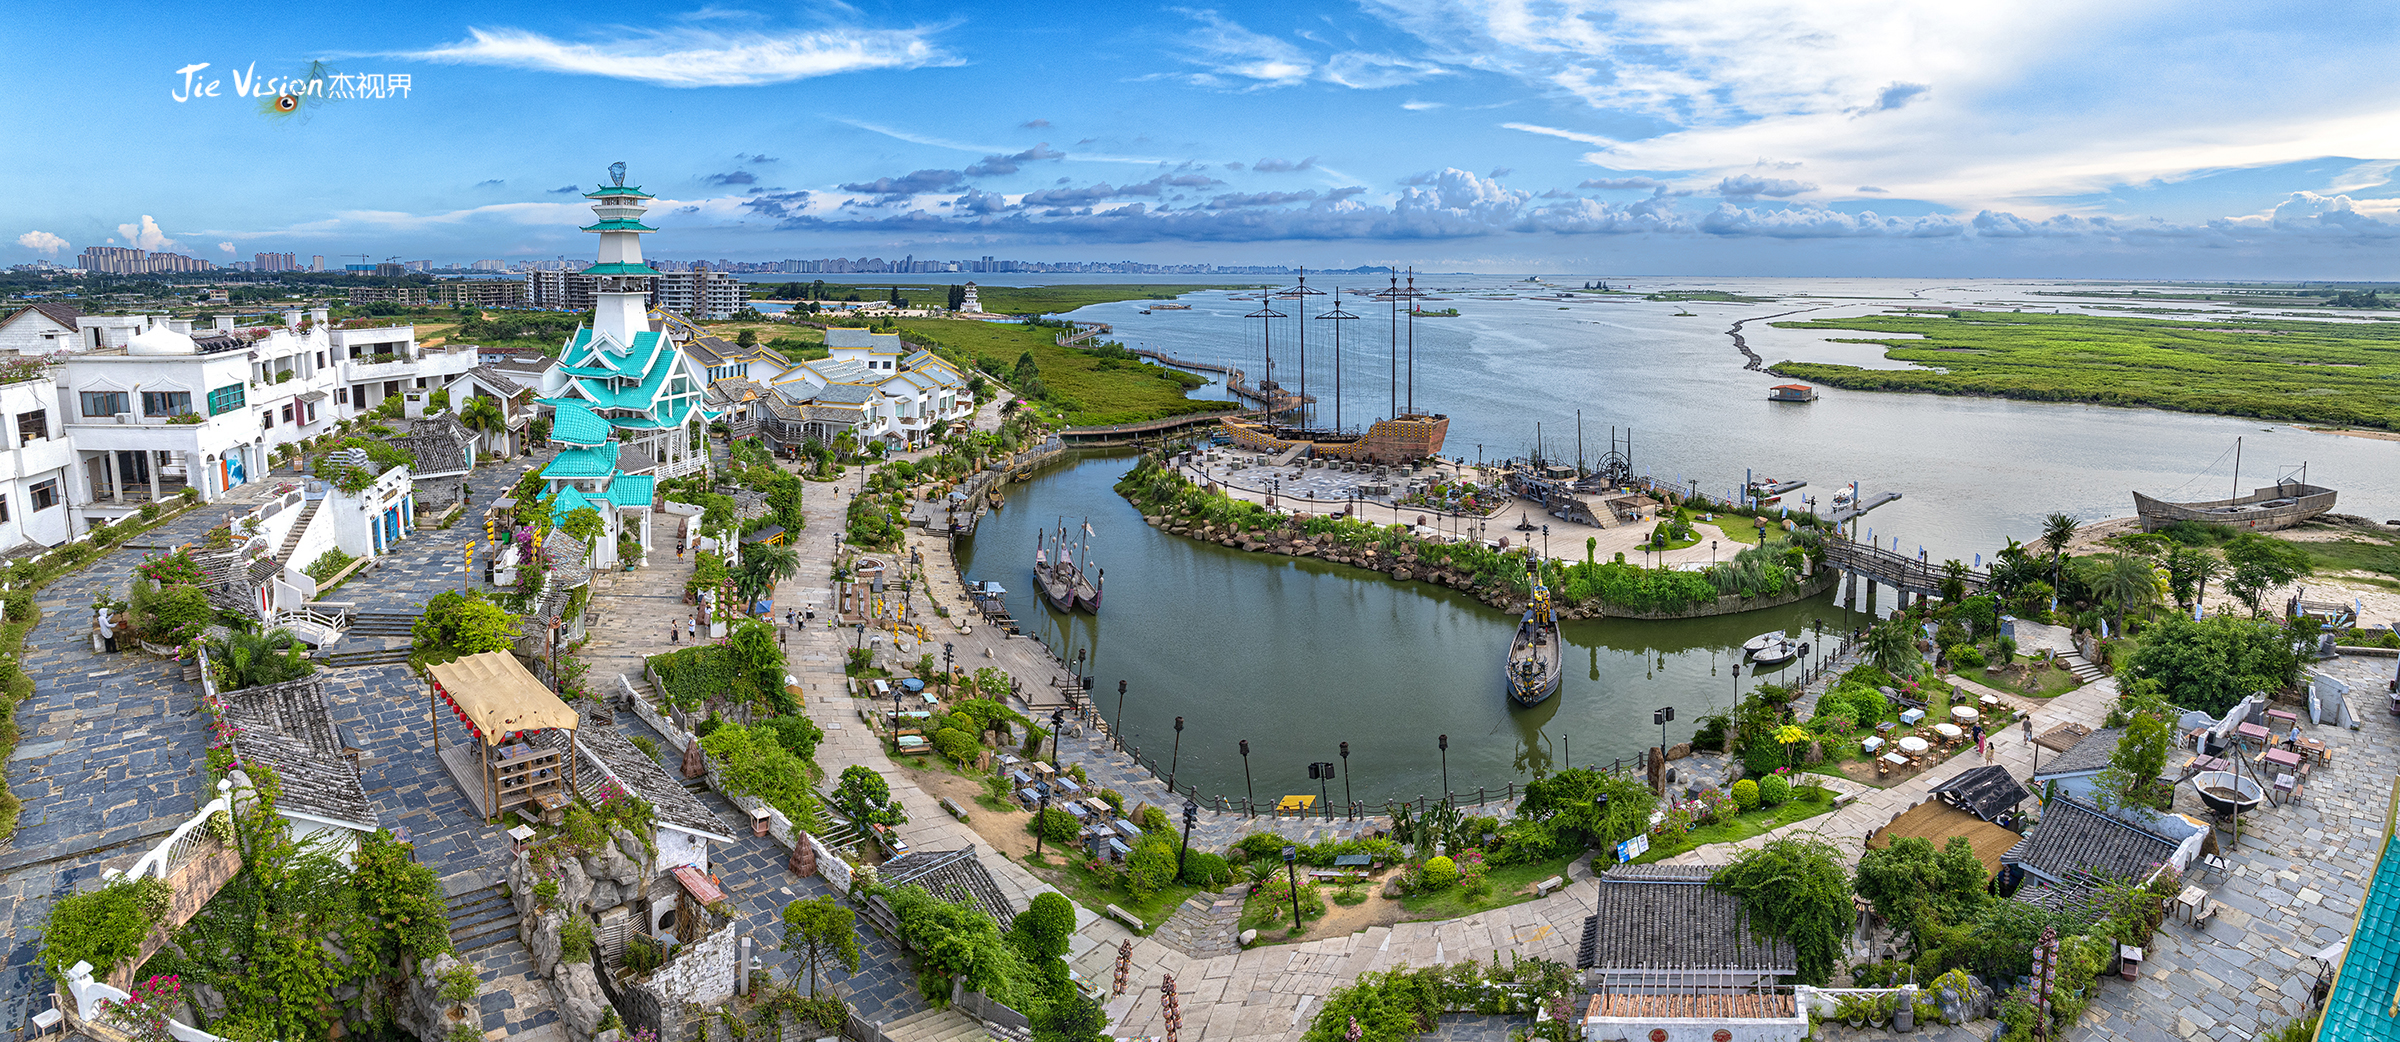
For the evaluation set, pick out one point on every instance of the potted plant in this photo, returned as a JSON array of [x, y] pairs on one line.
[[1879, 1009], [1852, 1009]]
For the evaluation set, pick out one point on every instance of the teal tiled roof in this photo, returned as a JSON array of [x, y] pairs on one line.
[[597, 462], [575, 424], [607, 190], [620, 224], [570, 500], [2360, 1006], [621, 269], [630, 490]]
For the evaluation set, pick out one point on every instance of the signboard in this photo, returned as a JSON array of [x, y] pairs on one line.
[[1633, 848]]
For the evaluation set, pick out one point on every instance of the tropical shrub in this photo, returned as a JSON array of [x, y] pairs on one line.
[[1773, 791], [1745, 794]]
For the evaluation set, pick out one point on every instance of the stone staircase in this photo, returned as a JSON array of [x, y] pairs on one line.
[[2084, 671], [291, 541], [382, 624], [482, 919], [1204, 926], [935, 1025], [367, 657]]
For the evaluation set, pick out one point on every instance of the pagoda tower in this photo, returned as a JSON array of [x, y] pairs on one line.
[[622, 280]]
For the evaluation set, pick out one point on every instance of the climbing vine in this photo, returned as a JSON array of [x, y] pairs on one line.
[[1795, 889]]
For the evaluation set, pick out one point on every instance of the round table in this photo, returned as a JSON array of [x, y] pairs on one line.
[[1912, 745], [1965, 714], [1947, 730]]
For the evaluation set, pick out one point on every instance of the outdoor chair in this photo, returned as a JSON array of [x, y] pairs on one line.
[[2208, 911], [46, 1020]]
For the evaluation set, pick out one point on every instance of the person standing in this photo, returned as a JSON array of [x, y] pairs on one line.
[[670, 633], [1979, 744]]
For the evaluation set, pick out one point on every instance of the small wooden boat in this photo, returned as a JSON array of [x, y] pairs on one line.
[[2280, 505], [1781, 651], [1761, 642], [1536, 656]]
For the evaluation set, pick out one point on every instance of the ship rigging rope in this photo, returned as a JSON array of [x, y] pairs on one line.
[[2205, 472]]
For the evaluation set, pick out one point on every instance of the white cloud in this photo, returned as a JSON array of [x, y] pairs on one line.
[[146, 235], [696, 58], [1228, 50], [42, 242], [1571, 135], [226, 248]]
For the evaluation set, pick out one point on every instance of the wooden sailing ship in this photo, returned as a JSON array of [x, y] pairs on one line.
[[1536, 656], [2281, 505], [1059, 571]]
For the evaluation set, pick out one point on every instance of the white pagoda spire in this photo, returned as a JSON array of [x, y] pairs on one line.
[[622, 278]]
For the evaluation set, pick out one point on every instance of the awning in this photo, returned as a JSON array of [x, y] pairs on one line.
[[495, 695], [312, 396], [699, 886]]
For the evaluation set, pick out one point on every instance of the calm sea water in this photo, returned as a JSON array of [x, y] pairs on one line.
[[1297, 657]]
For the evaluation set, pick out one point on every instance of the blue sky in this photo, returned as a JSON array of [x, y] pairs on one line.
[[1736, 137]]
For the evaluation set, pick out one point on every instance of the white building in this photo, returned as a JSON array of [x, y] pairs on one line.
[[44, 328], [37, 480], [875, 385]]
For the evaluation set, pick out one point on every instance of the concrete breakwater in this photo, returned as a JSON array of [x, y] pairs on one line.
[[1404, 564]]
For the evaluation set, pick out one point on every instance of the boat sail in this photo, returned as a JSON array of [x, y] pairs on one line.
[[1062, 580]]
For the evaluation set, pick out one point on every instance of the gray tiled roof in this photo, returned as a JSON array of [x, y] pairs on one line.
[[605, 752], [1986, 792], [2090, 754], [2075, 836], [289, 728], [951, 875], [832, 394], [438, 445], [1666, 918]]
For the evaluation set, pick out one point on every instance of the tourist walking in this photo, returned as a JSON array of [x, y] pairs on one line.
[[1979, 744]]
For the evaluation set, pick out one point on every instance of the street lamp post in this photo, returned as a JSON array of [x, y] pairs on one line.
[[1444, 742], [1175, 756], [1737, 682], [1114, 734], [1660, 717], [1348, 805], [1191, 813], [1291, 857], [1249, 791], [1058, 722], [1042, 805]]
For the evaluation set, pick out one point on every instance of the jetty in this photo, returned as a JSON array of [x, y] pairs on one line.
[[1844, 514], [1907, 574]]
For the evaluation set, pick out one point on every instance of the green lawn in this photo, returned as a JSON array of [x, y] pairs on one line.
[[2319, 372], [1765, 819], [1096, 892], [1088, 388], [1739, 529], [1511, 884], [2365, 552], [1269, 911]]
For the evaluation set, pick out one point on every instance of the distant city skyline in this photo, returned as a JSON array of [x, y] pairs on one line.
[[1945, 140]]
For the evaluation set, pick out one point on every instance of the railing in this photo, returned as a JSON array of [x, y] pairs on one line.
[[337, 623], [174, 851]]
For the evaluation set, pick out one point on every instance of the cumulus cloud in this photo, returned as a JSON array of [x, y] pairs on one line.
[[42, 242], [226, 248], [700, 58], [146, 235], [917, 183], [1742, 186], [995, 165], [1814, 223], [1612, 184], [777, 204], [731, 177]]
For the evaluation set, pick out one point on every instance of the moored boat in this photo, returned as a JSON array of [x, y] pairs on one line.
[[1536, 655], [1762, 642], [1061, 577], [2280, 505]]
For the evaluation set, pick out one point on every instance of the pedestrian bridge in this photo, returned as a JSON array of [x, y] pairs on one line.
[[1907, 574]]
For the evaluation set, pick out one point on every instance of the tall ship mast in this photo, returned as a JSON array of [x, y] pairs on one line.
[[1287, 420], [1536, 656], [1059, 571]]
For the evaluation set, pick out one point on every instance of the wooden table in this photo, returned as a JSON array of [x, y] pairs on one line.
[[2284, 758], [2288, 718], [2251, 732], [554, 806], [2316, 748], [2189, 901]]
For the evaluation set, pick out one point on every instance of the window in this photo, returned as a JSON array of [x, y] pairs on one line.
[[287, 412], [308, 413], [226, 399], [45, 494], [104, 403], [341, 396], [3, 509], [266, 419], [166, 403], [320, 359], [33, 426]]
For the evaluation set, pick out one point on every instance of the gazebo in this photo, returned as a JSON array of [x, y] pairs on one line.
[[502, 706]]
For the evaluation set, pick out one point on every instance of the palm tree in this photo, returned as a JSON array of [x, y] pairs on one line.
[[482, 415], [2204, 566], [1892, 647], [777, 562], [257, 659], [2057, 531], [2130, 584]]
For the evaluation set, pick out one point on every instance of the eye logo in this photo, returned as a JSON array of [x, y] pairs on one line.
[[286, 102]]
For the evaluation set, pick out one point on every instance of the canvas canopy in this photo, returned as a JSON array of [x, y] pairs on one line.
[[497, 696]]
